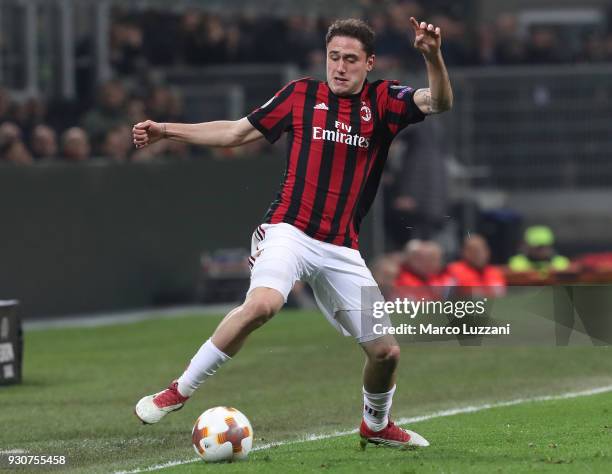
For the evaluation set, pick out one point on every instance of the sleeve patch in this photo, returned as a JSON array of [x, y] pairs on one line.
[[404, 91]]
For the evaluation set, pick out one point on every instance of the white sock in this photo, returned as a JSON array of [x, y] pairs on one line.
[[204, 364], [376, 407]]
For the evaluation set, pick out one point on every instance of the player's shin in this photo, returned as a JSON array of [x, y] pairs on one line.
[[203, 364]]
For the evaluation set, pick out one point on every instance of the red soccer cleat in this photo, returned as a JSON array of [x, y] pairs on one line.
[[153, 408], [392, 436]]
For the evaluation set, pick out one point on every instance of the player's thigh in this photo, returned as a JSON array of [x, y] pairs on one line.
[[346, 283], [346, 293], [276, 263]]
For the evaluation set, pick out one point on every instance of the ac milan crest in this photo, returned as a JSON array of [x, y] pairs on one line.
[[366, 113]]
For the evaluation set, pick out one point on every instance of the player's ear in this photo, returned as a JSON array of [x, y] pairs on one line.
[[370, 62]]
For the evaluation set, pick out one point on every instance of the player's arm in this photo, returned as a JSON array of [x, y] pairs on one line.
[[222, 133], [438, 97]]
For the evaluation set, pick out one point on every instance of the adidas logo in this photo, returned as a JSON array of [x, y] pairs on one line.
[[321, 106]]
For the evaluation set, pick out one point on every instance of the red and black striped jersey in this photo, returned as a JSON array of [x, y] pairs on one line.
[[337, 151]]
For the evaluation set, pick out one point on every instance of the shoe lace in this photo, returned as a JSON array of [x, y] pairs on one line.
[[397, 432], [170, 396]]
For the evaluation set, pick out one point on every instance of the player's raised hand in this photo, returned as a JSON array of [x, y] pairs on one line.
[[147, 132], [427, 37]]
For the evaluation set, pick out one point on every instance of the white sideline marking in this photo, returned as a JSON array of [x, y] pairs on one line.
[[126, 317], [401, 421]]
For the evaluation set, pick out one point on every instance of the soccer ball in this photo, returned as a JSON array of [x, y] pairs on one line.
[[222, 434]]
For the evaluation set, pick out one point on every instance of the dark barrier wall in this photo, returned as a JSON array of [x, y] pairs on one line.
[[99, 237], [81, 238]]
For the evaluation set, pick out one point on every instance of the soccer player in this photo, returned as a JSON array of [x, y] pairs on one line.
[[339, 133]]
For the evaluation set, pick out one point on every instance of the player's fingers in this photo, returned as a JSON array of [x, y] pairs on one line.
[[414, 23], [419, 39], [433, 32], [423, 25], [140, 135], [143, 125]]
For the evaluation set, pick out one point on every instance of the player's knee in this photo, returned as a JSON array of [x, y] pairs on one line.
[[257, 312], [388, 355]]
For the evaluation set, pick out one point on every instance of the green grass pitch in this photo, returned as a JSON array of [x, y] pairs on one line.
[[296, 377]]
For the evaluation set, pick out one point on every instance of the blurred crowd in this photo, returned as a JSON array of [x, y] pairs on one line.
[[420, 269], [34, 131], [198, 38]]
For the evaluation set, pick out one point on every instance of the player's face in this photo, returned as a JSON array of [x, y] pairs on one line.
[[347, 65]]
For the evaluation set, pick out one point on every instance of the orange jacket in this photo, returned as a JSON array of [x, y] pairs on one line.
[[490, 280], [409, 284]]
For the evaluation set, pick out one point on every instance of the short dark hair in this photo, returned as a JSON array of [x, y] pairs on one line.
[[353, 28]]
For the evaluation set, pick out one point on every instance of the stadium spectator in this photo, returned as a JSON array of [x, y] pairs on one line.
[[17, 153], [12, 148], [385, 270], [543, 47], [596, 48], [215, 40], [160, 49], [127, 54], [474, 270], [44, 143], [455, 46], [26, 114], [75, 145], [9, 133], [538, 253], [192, 38], [509, 48], [302, 38], [422, 270], [164, 103], [109, 112], [235, 44], [487, 42], [394, 45], [136, 110], [118, 143]]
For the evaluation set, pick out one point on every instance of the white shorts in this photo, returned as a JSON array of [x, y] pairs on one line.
[[343, 285]]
